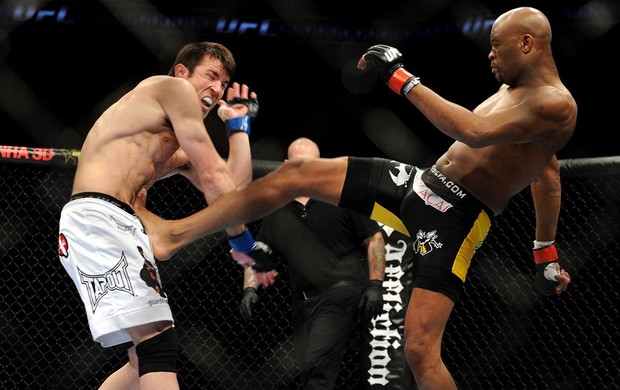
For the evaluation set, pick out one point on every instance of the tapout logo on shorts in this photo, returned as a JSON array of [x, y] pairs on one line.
[[116, 279]]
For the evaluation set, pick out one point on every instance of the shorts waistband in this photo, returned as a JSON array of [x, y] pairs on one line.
[[110, 199], [311, 292], [445, 187]]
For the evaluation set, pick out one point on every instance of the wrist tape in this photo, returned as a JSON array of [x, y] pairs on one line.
[[240, 123], [243, 243], [402, 81], [545, 255]]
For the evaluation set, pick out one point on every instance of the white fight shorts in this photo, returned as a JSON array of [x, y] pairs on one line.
[[110, 259]]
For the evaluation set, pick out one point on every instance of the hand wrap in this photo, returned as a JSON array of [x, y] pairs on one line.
[[371, 303], [250, 298], [243, 243], [547, 268], [240, 123], [387, 61]]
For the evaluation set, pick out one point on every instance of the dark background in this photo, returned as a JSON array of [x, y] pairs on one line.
[[63, 62]]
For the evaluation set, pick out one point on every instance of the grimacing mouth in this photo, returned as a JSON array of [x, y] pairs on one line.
[[207, 101]]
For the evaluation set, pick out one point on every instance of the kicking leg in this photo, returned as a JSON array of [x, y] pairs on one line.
[[319, 178]]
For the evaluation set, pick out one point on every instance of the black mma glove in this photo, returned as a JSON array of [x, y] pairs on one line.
[[251, 104], [371, 303], [250, 297], [388, 61], [245, 251], [239, 123], [264, 259], [547, 267]]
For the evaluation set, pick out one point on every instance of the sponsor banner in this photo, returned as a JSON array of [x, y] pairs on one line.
[[39, 156], [383, 357]]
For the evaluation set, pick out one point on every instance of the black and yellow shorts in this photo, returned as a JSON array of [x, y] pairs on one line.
[[446, 223]]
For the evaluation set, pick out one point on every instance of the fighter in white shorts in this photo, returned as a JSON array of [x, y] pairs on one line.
[[120, 286]]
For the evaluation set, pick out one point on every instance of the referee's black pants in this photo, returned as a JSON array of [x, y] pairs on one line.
[[322, 325]]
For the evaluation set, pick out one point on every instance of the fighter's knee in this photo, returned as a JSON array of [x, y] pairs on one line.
[[291, 174], [292, 167], [416, 351], [159, 353]]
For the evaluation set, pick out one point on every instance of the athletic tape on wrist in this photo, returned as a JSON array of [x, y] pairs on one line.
[[542, 244], [398, 79], [243, 243], [240, 123], [409, 84], [546, 254]]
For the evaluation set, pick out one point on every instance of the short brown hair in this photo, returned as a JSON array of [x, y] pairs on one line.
[[192, 53]]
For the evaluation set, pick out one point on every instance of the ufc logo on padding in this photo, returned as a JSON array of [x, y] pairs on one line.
[[392, 54]]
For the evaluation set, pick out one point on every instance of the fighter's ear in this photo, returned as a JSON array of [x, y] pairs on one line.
[[180, 70], [527, 42]]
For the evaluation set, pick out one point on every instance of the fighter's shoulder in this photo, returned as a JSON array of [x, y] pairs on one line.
[[554, 100], [552, 94], [162, 82], [164, 85]]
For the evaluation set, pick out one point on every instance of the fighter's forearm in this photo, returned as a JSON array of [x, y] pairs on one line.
[[546, 195], [376, 256]]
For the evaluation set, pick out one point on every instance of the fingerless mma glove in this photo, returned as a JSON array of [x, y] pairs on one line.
[[263, 257], [546, 258], [251, 104], [387, 61], [241, 123], [260, 252]]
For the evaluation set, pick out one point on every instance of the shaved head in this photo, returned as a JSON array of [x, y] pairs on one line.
[[525, 20], [303, 148]]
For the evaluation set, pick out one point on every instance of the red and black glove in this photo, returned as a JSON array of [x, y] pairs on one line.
[[388, 61]]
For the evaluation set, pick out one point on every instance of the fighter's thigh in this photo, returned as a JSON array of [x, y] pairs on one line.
[[323, 179], [146, 331]]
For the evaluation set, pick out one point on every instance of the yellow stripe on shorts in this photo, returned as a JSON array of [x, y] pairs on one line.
[[385, 216], [472, 242]]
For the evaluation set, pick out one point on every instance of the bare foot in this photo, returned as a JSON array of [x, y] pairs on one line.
[[157, 228]]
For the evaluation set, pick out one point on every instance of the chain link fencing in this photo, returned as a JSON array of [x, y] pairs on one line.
[[502, 335]]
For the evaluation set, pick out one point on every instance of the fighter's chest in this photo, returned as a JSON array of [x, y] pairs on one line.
[[501, 100]]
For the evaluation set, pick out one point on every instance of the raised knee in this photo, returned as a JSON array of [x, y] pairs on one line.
[[292, 167], [290, 176]]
